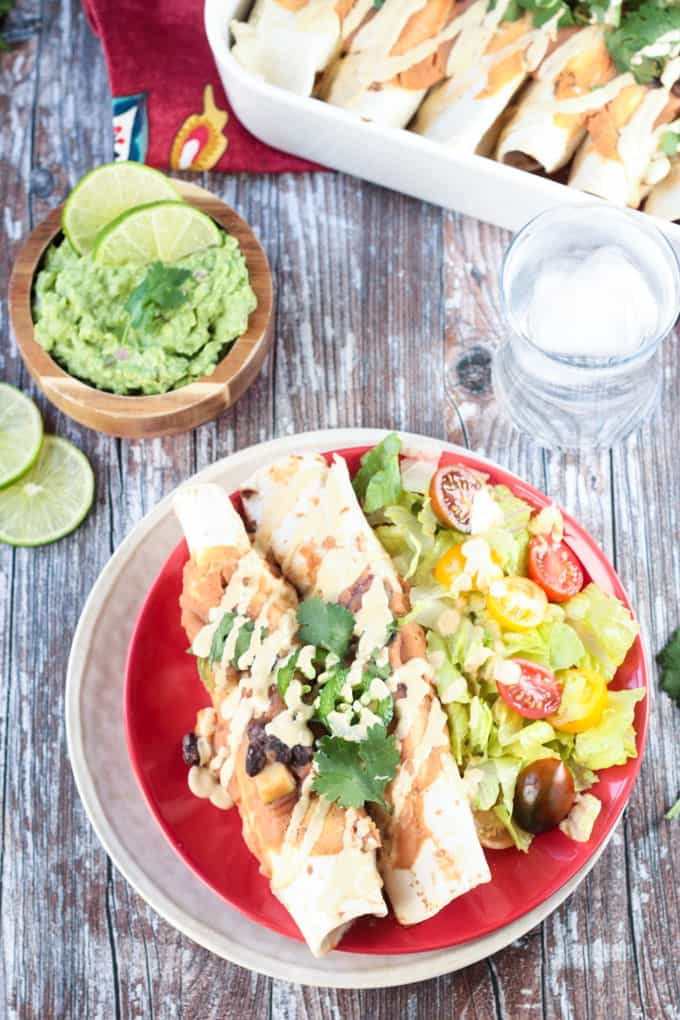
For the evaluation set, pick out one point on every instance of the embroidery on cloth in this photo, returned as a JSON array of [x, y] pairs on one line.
[[130, 127], [199, 143]]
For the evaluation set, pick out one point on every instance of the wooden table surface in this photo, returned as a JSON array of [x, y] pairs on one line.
[[387, 312]]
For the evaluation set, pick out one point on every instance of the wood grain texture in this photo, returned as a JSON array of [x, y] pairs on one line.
[[386, 314], [165, 414]]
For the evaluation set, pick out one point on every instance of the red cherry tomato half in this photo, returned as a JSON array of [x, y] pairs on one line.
[[535, 692], [554, 567]]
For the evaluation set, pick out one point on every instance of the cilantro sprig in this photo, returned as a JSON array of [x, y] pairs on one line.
[[640, 28], [325, 624], [355, 773], [160, 291], [669, 663]]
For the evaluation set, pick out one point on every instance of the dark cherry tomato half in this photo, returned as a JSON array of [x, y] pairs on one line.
[[544, 795], [554, 567], [535, 693], [452, 491]]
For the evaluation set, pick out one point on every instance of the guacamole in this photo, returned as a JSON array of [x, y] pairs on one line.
[[87, 316]]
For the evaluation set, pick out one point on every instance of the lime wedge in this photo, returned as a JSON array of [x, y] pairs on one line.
[[105, 193], [51, 499], [21, 433], [164, 231]]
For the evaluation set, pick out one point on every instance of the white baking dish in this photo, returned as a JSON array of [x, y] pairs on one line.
[[392, 157]]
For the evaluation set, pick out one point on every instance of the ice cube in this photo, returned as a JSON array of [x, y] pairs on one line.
[[598, 306]]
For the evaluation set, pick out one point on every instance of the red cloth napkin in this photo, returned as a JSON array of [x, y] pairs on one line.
[[169, 107]]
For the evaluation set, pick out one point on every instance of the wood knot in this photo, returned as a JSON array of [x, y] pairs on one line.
[[473, 371]]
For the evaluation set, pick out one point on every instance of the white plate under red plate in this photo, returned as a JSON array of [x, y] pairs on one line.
[[125, 826]]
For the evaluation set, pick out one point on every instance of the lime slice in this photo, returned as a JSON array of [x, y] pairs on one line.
[[105, 193], [161, 230], [21, 433], [51, 499]]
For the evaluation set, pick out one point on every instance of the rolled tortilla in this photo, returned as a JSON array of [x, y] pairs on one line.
[[486, 67], [319, 858], [307, 516], [664, 199], [289, 42], [541, 134], [621, 159], [391, 56]]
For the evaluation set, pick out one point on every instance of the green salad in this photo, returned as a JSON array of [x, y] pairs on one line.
[[523, 649]]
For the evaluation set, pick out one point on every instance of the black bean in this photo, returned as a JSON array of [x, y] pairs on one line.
[[278, 749], [675, 89], [301, 755], [401, 691], [256, 734], [190, 749], [256, 759]]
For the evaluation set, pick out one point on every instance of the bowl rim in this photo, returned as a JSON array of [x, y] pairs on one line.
[[147, 415]]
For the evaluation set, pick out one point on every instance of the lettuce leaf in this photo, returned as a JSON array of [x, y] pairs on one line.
[[450, 682], [612, 741], [481, 722], [459, 728], [521, 838], [510, 540], [605, 627], [377, 483]]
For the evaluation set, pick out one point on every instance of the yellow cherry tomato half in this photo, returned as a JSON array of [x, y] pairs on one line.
[[517, 603], [584, 698], [449, 566]]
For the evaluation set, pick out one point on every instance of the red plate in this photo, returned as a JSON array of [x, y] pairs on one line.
[[163, 694]]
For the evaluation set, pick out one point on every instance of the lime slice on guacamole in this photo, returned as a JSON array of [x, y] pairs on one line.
[[105, 193], [160, 231], [21, 433], [51, 499]]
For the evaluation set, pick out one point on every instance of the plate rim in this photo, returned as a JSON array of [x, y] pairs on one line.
[[319, 973]]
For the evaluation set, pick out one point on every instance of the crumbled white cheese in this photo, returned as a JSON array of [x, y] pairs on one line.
[[549, 522], [485, 512]]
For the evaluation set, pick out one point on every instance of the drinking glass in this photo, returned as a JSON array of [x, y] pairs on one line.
[[582, 400]]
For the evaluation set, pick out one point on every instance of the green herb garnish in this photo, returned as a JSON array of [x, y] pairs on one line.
[[330, 693], [669, 661], [641, 28], [245, 636], [673, 812], [160, 291], [325, 624], [377, 483], [220, 636], [286, 673], [355, 773]]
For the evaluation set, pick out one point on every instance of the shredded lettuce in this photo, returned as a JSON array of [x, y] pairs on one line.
[[521, 838], [481, 722], [459, 727], [605, 627], [612, 741], [451, 684], [510, 540]]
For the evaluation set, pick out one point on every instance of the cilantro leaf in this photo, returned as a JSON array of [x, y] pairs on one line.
[[243, 640], [669, 661], [286, 673], [327, 624], [640, 28], [354, 773], [159, 291], [220, 636], [330, 692], [377, 483]]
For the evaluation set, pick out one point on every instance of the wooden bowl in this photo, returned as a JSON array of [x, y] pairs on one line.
[[167, 413]]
